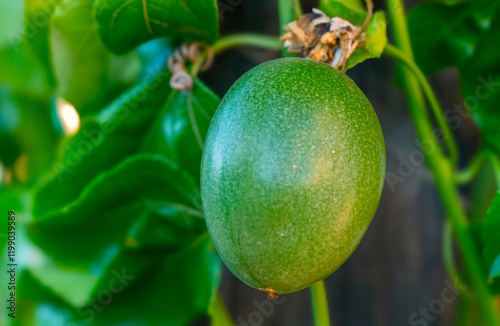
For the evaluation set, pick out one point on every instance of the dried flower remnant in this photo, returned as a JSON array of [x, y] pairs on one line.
[[271, 293], [181, 80], [325, 39]]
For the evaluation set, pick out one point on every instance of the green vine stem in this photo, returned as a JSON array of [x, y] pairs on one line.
[[466, 175], [451, 144], [441, 168], [320, 304], [297, 8], [447, 252], [235, 40], [286, 15], [495, 164]]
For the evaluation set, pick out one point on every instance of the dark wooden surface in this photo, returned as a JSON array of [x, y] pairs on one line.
[[397, 269]]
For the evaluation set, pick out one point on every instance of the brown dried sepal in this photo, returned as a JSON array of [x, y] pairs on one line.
[[325, 39], [271, 294]]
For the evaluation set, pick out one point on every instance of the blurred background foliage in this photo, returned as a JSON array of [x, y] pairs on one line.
[[99, 158]]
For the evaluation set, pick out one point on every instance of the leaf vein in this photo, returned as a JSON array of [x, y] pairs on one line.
[[146, 15]]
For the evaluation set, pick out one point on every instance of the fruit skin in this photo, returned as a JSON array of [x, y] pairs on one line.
[[292, 173]]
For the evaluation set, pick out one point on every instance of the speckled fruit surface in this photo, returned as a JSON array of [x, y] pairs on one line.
[[292, 173]]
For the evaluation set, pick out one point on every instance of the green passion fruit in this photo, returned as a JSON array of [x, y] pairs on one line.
[[292, 173]]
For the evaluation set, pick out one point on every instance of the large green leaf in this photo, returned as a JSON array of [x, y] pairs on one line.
[[181, 127], [491, 237], [165, 225], [461, 34], [376, 32], [187, 20], [119, 199], [72, 285], [480, 81], [126, 219], [11, 23], [446, 33], [79, 286], [36, 33], [24, 55], [102, 142], [82, 65], [26, 127], [172, 291], [23, 71], [38, 304], [115, 200]]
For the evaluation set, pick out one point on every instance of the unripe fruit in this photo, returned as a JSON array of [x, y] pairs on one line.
[[292, 173]]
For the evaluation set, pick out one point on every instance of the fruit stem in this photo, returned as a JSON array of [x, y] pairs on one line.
[[235, 40], [286, 15], [369, 8], [451, 144], [441, 168], [320, 304]]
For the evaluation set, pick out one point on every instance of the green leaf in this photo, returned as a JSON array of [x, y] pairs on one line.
[[74, 286], [376, 32], [11, 23], [38, 304], [36, 33], [102, 142], [109, 208], [24, 62], [446, 33], [460, 34], [187, 20], [79, 286], [180, 130], [27, 122], [165, 225], [376, 39], [169, 291], [491, 237], [81, 62], [144, 203], [480, 81], [174, 291], [114, 201], [23, 71], [351, 10]]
